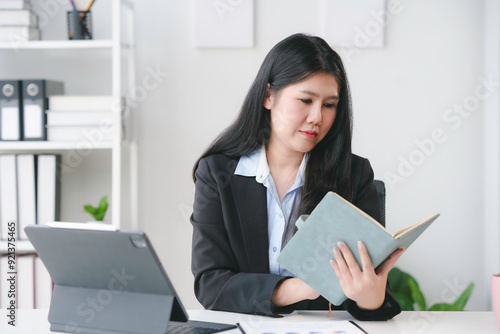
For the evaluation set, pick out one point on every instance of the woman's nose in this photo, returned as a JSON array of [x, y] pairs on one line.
[[315, 114]]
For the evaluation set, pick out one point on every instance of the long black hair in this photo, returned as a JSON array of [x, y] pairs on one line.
[[290, 61]]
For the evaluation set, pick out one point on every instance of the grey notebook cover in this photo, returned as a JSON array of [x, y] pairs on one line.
[[105, 281], [308, 253]]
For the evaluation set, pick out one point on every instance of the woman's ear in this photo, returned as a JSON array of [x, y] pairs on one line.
[[269, 98]]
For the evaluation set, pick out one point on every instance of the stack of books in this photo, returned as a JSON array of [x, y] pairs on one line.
[[17, 21], [80, 118]]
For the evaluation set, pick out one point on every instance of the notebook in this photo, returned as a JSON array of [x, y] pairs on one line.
[[110, 282]]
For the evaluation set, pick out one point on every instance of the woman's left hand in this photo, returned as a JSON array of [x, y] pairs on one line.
[[365, 286]]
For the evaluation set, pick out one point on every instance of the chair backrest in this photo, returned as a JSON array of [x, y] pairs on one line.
[[381, 199]]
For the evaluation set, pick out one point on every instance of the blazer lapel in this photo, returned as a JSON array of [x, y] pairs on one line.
[[251, 204]]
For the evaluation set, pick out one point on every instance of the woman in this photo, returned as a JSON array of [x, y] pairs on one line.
[[289, 146]]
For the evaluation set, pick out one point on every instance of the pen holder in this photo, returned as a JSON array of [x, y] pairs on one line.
[[79, 24]]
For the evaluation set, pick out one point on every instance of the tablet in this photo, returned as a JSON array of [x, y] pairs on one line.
[[108, 282]]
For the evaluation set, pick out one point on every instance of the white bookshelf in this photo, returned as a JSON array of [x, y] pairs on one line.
[[121, 52]]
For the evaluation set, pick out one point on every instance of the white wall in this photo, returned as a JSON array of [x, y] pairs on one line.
[[432, 61]]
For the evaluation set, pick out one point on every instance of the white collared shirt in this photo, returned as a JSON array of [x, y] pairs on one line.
[[279, 212]]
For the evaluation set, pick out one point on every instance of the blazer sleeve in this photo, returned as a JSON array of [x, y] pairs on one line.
[[219, 282], [366, 198]]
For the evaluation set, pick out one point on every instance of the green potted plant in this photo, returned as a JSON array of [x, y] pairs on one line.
[[408, 294], [100, 211]]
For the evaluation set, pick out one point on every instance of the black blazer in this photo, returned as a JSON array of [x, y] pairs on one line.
[[230, 260]]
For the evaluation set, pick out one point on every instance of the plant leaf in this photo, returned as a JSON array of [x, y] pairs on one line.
[[99, 216], [405, 302], [416, 295], [398, 281], [464, 297], [90, 209], [395, 278], [443, 307], [103, 204]]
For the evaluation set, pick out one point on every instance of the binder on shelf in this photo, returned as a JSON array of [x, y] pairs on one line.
[[25, 266], [48, 188], [43, 285], [35, 101], [26, 192], [11, 106], [8, 193]]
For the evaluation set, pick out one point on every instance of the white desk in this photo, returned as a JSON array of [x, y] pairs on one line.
[[35, 321]]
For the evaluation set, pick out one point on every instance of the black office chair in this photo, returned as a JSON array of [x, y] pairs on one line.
[[381, 199]]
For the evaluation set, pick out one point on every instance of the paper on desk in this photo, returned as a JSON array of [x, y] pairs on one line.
[[323, 327]]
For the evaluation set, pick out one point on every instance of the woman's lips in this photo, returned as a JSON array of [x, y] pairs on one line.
[[309, 134]]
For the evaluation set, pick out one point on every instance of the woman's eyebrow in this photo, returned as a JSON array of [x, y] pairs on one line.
[[333, 97]]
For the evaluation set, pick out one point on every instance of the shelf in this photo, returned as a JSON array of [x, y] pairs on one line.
[[52, 145], [62, 44], [22, 246], [121, 49]]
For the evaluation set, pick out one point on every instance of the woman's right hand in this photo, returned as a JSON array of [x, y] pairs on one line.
[[291, 291]]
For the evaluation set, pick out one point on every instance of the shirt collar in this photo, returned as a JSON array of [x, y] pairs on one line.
[[255, 164]]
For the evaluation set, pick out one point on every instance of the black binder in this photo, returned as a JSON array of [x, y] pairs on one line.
[[35, 103], [10, 110]]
